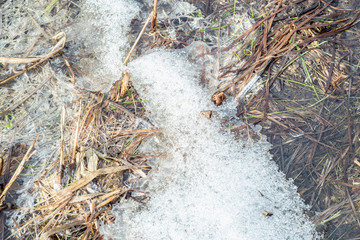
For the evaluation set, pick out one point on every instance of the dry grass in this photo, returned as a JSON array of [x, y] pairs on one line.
[[98, 162], [307, 105], [98, 165]]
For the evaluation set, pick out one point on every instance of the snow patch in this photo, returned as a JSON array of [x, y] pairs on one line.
[[104, 28], [210, 186]]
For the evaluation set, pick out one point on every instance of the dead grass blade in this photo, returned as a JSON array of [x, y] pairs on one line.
[[89, 176], [57, 229], [18, 60], [138, 38]]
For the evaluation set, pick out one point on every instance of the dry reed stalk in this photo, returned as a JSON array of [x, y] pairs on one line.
[[107, 198], [85, 197], [76, 137], [89, 176], [62, 144], [63, 227], [60, 196], [90, 220], [154, 18], [89, 109]]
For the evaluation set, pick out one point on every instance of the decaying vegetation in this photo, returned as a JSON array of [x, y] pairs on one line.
[[294, 72], [308, 105], [95, 162]]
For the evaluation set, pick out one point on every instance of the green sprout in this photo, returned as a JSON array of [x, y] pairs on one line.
[[198, 14], [8, 120]]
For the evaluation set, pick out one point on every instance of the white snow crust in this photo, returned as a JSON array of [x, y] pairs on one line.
[[103, 30], [210, 186]]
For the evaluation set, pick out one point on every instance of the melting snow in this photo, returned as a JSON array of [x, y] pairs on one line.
[[103, 30], [210, 186]]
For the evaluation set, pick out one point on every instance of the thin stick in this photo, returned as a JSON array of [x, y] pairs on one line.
[[76, 137], [69, 67], [37, 25], [138, 38], [18, 171], [352, 206], [13, 60], [62, 143]]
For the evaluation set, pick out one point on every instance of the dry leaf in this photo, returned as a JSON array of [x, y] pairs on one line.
[[218, 98], [267, 214], [207, 114]]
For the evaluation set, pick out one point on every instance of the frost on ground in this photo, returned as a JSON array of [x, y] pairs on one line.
[[40, 113], [210, 186], [26, 30]]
